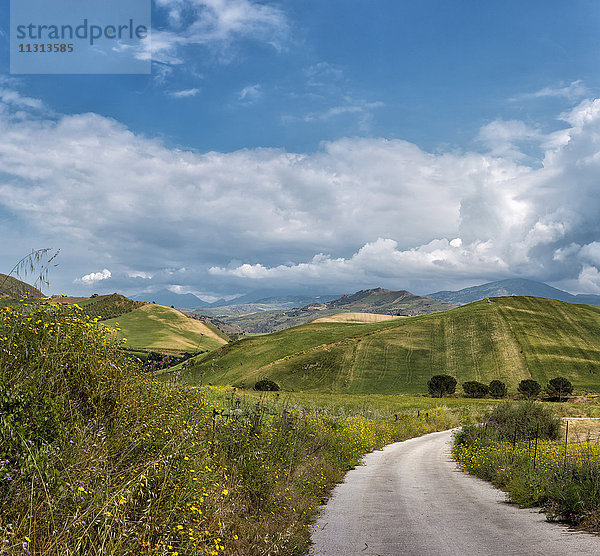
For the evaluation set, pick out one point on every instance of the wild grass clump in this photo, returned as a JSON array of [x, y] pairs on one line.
[[98, 458], [517, 448]]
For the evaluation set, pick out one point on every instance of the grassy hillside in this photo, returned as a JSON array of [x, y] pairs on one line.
[[108, 306], [509, 339], [13, 288], [155, 327]]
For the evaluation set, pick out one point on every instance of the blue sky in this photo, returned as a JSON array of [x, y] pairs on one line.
[[315, 145]]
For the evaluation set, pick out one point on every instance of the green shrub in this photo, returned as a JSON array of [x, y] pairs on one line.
[[529, 388], [474, 389], [497, 389], [441, 385], [521, 421], [266, 385]]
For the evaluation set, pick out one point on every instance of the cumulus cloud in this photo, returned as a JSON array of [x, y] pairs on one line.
[[92, 278], [505, 137], [357, 212]]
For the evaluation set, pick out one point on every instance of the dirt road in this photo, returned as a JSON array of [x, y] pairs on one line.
[[409, 499]]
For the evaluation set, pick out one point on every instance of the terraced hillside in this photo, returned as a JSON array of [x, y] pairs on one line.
[[160, 328], [509, 338]]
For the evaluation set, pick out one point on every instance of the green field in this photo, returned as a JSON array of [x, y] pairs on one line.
[[160, 328], [508, 338]]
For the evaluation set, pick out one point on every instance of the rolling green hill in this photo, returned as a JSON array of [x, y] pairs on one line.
[[508, 338], [158, 328]]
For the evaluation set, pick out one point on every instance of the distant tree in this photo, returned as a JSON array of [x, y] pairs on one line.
[[266, 385], [529, 388], [474, 389], [559, 387], [441, 385], [497, 389]]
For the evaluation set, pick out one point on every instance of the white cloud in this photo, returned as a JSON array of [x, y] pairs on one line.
[[250, 94], [139, 274], [185, 93], [352, 107], [504, 137], [92, 278], [380, 260], [359, 211]]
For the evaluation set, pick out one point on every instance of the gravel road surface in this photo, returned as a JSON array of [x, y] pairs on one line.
[[409, 499]]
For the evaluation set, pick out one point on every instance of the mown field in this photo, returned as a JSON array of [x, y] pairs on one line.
[[160, 328], [509, 339]]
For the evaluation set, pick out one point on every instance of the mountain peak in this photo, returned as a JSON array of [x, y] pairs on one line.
[[512, 287]]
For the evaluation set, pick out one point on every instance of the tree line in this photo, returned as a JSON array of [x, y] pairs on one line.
[[557, 388]]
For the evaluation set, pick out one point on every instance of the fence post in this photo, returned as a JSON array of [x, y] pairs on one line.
[[537, 430], [566, 439]]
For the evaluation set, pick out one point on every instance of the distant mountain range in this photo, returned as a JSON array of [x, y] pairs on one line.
[[247, 303], [168, 298], [377, 300], [513, 287]]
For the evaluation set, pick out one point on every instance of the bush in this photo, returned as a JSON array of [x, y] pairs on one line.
[[559, 387], [521, 421], [441, 385], [497, 389], [266, 385], [474, 389], [529, 388]]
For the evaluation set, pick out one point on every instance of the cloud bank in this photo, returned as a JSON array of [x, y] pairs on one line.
[[358, 212]]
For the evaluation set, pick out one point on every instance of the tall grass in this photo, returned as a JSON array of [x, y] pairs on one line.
[[98, 458]]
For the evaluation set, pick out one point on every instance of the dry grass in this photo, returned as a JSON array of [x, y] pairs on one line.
[[582, 430], [356, 318], [160, 328]]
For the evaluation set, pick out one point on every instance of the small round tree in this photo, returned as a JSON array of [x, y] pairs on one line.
[[529, 388], [474, 389], [497, 389], [559, 387], [441, 385], [266, 385]]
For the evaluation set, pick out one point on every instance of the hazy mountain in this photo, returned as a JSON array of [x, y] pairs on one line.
[[387, 302], [254, 317], [512, 287], [168, 298]]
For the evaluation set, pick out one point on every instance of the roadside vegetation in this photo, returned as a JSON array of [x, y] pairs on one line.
[[97, 457], [523, 448]]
